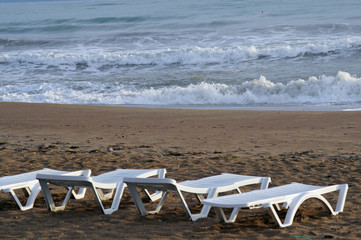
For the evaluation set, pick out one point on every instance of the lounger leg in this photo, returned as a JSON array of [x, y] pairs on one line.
[[341, 199], [206, 208], [97, 197], [26, 191], [49, 199], [82, 190], [31, 194], [143, 212], [16, 199], [105, 196], [272, 211], [200, 197], [222, 216], [158, 194], [191, 216], [220, 213], [137, 200], [116, 199], [80, 194], [20, 205], [32, 197], [289, 216], [155, 196], [160, 204], [296, 203], [265, 182]]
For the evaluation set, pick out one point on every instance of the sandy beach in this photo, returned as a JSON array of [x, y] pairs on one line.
[[320, 148]]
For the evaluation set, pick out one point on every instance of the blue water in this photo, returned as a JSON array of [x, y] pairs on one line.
[[201, 54]]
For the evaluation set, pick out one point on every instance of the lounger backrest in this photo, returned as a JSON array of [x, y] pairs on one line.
[[71, 180]]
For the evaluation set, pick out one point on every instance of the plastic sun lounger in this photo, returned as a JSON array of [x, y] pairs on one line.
[[211, 186], [110, 181], [31, 187], [291, 195]]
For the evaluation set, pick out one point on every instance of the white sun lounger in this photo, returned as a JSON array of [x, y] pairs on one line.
[[291, 195], [31, 187], [109, 181], [211, 186]]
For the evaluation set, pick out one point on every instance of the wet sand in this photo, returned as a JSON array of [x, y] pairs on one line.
[[320, 148]]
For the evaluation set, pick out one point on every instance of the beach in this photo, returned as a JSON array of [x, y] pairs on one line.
[[314, 147], [267, 88]]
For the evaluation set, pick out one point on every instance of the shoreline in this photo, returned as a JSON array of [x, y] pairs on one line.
[[255, 107], [230, 107], [312, 147]]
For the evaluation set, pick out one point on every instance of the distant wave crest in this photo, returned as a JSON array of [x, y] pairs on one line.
[[98, 58]]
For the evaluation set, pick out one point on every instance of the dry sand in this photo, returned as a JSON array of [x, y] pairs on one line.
[[320, 148]]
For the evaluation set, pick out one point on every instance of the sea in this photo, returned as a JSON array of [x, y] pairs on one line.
[[204, 54]]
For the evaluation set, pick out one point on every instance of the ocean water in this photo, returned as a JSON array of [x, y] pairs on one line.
[[227, 54]]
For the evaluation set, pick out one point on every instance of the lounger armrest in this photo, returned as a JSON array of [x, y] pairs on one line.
[[341, 198]]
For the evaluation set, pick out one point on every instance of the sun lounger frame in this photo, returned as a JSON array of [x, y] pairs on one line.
[[114, 184], [28, 183], [210, 186], [291, 195]]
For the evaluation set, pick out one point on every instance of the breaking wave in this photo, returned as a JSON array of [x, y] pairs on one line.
[[340, 89]]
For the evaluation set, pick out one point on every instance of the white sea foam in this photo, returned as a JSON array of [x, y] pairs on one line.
[[188, 53], [340, 89], [352, 110]]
